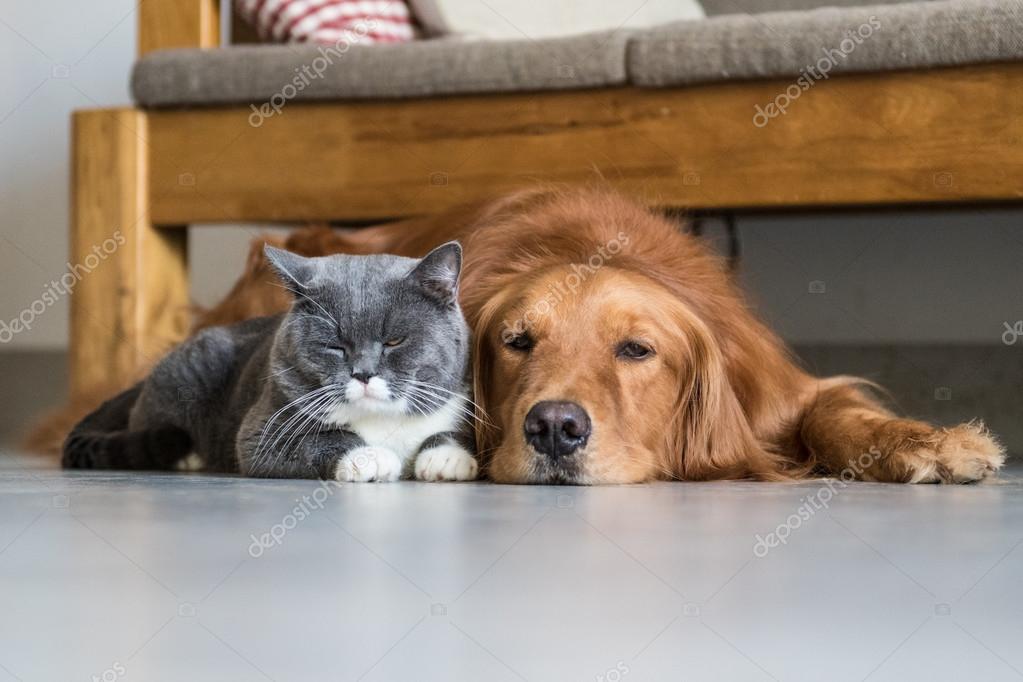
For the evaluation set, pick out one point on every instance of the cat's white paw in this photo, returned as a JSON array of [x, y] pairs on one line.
[[369, 463], [191, 463], [446, 462]]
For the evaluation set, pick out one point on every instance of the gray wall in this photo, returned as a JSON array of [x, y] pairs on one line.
[[57, 55], [951, 276]]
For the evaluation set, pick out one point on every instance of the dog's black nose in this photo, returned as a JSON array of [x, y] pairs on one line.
[[557, 428]]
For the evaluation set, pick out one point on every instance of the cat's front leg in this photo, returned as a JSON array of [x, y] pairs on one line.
[[330, 455], [345, 456], [443, 458]]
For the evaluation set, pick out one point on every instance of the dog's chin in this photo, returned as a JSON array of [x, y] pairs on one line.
[[566, 471], [521, 464]]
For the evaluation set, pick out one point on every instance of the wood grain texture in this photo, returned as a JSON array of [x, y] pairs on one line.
[[130, 301], [951, 135], [165, 24]]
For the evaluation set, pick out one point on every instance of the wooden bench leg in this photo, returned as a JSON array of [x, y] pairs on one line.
[[129, 279]]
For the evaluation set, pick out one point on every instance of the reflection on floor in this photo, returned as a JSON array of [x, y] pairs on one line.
[[119, 576]]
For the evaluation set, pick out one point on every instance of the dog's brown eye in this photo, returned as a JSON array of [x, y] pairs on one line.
[[634, 350], [521, 342], [397, 341]]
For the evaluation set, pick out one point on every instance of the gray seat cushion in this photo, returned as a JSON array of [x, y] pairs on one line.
[[906, 35], [715, 7], [280, 73], [784, 44]]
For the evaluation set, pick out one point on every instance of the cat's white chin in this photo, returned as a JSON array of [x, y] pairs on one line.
[[372, 407]]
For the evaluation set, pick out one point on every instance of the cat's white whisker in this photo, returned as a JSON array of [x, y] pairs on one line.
[[295, 419], [293, 427], [434, 403], [270, 421], [310, 316], [301, 401], [420, 390], [417, 405], [311, 300], [313, 415], [464, 397], [279, 372]]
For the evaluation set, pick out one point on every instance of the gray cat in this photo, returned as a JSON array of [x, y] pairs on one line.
[[364, 379]]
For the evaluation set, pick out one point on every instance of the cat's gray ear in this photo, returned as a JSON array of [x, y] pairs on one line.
[[294, 270], [437, 274]]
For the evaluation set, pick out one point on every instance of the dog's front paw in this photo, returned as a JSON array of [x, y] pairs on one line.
[[962, 454], [368, 463], [446, 462], [966, 453]]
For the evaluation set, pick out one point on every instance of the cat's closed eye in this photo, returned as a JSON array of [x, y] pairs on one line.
[[396, 341], [336, 348]]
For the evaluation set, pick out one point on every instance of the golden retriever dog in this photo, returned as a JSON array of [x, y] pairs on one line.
[[611, 347]]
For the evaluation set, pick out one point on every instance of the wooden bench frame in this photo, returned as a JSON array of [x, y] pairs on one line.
[[946, 136]]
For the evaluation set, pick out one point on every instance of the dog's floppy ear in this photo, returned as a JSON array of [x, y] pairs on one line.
[[294, 270], [482, 324], [437, 273], [712, 434]]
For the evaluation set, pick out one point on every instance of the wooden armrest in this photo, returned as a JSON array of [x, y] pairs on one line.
[[178, 23]]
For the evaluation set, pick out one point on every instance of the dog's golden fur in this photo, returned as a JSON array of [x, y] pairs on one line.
[[583, 271]]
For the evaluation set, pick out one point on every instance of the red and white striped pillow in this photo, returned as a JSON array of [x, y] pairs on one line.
[[328, 21]]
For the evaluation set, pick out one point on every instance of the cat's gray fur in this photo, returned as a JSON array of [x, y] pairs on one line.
[[365, 378]]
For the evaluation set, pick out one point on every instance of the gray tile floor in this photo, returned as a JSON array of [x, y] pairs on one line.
[[189, 577]]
